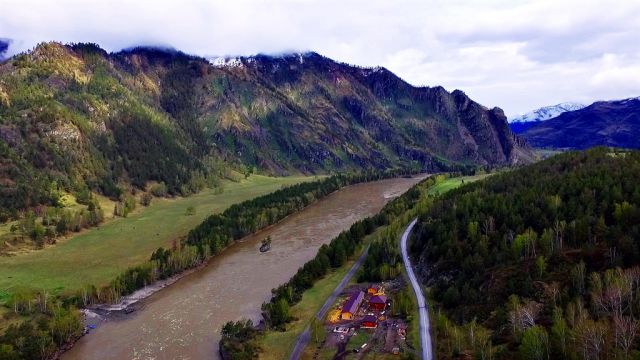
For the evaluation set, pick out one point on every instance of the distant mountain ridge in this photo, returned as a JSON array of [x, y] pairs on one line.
[[77, 117], [603, 123], [547, 112], [521, 123]]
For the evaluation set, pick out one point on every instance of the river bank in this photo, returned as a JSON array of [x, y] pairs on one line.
[[126, 302], [183, 320], [99, 255]]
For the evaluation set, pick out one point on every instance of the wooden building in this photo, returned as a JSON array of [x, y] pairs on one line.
[[352, 305], [370, 322], [378, 302]]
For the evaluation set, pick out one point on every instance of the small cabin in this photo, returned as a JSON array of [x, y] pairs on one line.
[[378, 302], [370, 322], [352, 305]]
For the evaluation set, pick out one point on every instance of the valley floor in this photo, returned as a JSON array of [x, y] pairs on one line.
[[98, 255], [279, 344]]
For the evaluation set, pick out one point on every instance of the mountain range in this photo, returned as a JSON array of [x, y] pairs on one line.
[[74, 117], [521, 123], [603, 123]]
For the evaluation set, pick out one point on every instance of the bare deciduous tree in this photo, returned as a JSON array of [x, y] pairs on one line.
[[524, 316], [578, 273], [489, 225], [559, 228], [590, 337], [625, 333], [552, 291]]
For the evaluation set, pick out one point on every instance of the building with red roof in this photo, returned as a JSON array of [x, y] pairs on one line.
[[378, 302], [370, 322]]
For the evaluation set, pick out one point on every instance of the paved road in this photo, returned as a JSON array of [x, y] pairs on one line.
[[303, 339], [425, 336]]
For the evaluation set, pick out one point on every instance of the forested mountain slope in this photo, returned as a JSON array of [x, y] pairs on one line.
[[314, 112], [76, 118], [537, 263]]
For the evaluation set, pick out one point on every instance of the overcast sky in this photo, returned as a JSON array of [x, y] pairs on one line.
[[515, 54]]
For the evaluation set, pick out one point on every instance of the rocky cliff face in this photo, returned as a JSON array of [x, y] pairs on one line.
[[374, 117]]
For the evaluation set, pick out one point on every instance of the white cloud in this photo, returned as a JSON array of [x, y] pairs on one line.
[[514, 54]]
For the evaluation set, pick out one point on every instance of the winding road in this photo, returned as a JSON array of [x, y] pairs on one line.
[[303, 339], [425, 336]]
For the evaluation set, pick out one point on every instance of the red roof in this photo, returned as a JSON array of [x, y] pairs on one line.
[[378, 299], [370, 319]]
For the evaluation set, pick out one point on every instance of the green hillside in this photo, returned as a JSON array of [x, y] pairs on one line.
[[537, 263]]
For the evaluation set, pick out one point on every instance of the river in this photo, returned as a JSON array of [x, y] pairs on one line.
[[183, 321]]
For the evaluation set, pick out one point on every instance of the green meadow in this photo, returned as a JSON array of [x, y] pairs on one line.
[[98, 255], [452, 183]]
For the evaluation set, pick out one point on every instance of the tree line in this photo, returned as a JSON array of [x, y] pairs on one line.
[[383, 261], [51, 325]]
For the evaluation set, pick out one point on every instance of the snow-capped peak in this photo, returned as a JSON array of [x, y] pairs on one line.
[[238, 61], [547, 112], [630, 99], [226, 61], [366, 71]]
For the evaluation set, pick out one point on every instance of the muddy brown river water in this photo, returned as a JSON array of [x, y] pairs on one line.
[[183, 321]]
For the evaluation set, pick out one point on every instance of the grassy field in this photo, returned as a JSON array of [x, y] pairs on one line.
[[97, 255], [413, 332], [278, 344], [359, 339], [452, 183]]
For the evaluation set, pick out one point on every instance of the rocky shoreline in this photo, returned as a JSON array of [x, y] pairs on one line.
[[96, 314]]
